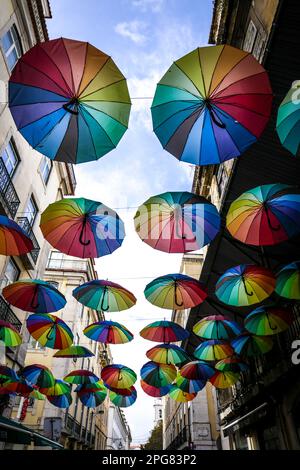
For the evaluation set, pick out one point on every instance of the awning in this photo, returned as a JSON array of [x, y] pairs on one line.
[[237, 423], [16, 433]]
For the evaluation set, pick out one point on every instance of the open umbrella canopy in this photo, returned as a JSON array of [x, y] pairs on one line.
[[74, 351], [104, 296], [178, 395], [108, 332], [34, 295], [167, 354], [9, 334], [37, 395], [158, 375], [13, 239], [216, 327], [288, 281], [81, 376], [118, 376], [120, 391], [231, 364], [58, 388], [82, 228], [266, 321], [224, 379], [288, 120], [21, 387], [91, 399], [213, 350], [245, 285], [175, 291], [7, 374], [265, 215], [91, 387], [177, 222], [49, 330], [60, 401], [39, 375], [155, 391], [123, 401], [164, 331], [211, 105], [197, 370], [190, 385], [248, 345], [69, 100]]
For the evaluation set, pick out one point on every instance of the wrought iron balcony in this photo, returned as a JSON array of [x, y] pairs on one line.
[[8, 194], [180, 439], [8, 315], [25, 225]]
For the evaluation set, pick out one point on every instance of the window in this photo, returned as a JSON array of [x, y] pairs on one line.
[[10, 157], [222, 179], [160, 414], [259, 45], [11, 273], [250, 37], [45, 169], [53, 284], [55, 259], [11, 46], [31, 210]]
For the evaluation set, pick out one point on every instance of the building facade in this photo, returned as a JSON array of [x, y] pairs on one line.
[[118, 431]]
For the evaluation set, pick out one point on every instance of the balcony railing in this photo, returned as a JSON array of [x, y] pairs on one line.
[[180, 439], [8, 315], [9, 197], [72, 426], [25, 225]]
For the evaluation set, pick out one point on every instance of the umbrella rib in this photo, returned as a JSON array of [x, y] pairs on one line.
[[49, 132], [103, 88], [99, 70], [56, 66], [103, 112], [241, 80], [189, 78], [201, 70], [195, 112], [215, 67], [71, 69], [197, 106], [234, 105], [114, 146], [229, 71]]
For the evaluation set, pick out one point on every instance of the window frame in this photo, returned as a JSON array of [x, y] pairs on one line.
[[33, 201], [250, 36], [44, 164], [4, 278], [11, 143], [16, 45]]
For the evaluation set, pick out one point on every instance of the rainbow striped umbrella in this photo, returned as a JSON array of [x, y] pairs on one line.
[[120, 391], [92, 399], [38, 374], [216, 327], [7, 374], [37, 395], [104, 296], [123, 401], [265, 321], [211, 105], [164, 331], [213, 350], [81, 376], [177, 222], [178, 395], [20, 387], [245, 285], [232, 364], [49, 330], [118, 376], [167, 354], [197, 370], [91, 387], [9, 334], [82, 228], [224, 379], [189, 386], [13, 239], [74, 351], [69, 100], [61, 401], [155, 391], [58, 388], [288, 281], [158, 375], [108, 332], [288, 118], [175, 292], [265, 215], [249, 345], [34, 295]]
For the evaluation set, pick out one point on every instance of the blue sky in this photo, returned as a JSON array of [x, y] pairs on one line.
[[144, 37]]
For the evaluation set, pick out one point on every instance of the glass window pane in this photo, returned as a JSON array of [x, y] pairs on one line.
[[9, 158], [12, 59], [7, 41], [31, 210]]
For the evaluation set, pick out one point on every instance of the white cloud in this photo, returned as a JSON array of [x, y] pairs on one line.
[[133, 30], [145, 5]]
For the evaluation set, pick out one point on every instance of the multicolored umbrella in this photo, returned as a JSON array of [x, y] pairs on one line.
[[122, 401], [175, 292], [13, 239], [248, 345], [119, 391], [288, 281], [155, 391], [59, 388], [288, 120], [224, 379], [177, 222], [265, 215], [158, 375], [82, 228], [20, 387], [197, 370], [266, 321], [178, 395], [9, 334], [74, 351], [167, 354], [39, 375], [232, 364], [108, 332], [37, 395], [7, 374], [91, 387], [118, 376], [245, 285], [92, 399], [189, 386], [213, 350], [34, 295], [104, 296], [81, 376], [69, 100], [164, 331], [216, 327], [49, 330], [61, 401], [211, 105]]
